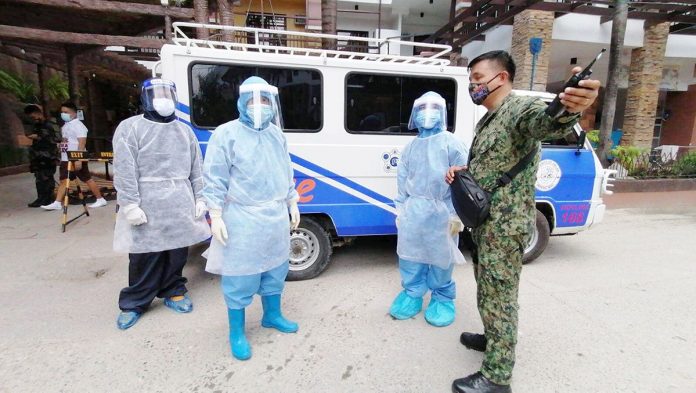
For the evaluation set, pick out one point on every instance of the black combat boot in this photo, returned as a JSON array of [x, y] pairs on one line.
[[38, 202], [477, 383], [474, 341]]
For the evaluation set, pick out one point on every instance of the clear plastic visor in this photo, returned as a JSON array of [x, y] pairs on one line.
[[262, 105], [431, 111], [152, 93]]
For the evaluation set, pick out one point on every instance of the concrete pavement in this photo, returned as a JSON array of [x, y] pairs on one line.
[[608, 310]]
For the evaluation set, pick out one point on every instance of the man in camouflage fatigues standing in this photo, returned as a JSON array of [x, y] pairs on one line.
[[513, 127], [43, 155]]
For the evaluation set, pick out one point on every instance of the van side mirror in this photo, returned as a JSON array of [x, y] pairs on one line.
[[581, 141]]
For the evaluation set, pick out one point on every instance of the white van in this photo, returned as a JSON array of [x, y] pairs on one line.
[[345, 116]]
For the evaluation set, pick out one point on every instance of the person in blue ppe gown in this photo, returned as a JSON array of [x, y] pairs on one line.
[[158, 176], [428, 227], [250, 191]]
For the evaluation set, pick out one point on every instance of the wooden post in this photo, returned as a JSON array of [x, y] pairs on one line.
[[73, 81], [43, 99], [200, 8]]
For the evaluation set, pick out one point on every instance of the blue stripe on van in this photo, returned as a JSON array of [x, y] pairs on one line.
[[346, 182]]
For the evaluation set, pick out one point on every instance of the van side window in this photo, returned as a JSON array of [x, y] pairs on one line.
[[381, 104], [215, 89]]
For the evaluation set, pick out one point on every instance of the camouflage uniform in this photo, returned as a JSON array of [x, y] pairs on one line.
[[503, 137], [43, 158]]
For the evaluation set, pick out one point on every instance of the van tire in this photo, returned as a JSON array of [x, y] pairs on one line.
[[310, 250], [539, 239]]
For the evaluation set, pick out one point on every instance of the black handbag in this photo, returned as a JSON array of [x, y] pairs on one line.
[[471, 201]]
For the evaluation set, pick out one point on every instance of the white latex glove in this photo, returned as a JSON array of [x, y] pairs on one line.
[[455, 225], [294, 215], [217, 226], [134, 214], [201, 208]]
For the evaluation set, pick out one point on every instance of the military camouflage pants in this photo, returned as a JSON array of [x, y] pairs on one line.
[[45, 183], [498, 263]]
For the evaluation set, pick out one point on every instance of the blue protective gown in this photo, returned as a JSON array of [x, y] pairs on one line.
[[423, 202], [249, 176]]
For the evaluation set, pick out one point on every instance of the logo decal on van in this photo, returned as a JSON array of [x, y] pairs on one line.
[[548, 175], [391, 160]]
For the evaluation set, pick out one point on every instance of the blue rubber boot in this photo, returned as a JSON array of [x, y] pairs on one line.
[[181, 306], [238, 342], [440, 313], [405, 307], [273, 318], [127, 319]]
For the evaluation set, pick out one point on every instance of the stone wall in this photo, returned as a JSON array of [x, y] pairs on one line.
[[529, 24], [643, 86]]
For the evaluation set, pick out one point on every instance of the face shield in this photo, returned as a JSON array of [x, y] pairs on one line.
[[260, 105], [429, 112], [159, 95]]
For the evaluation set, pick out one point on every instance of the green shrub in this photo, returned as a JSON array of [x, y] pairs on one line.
[[15, 85], [628, 156], [593, 136], [57, 88], [686, 165]]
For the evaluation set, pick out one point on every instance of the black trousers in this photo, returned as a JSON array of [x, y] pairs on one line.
[[45, 184], [153, 274]]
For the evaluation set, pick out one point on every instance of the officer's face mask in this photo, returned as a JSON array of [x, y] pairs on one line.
[[65, 117], [479, 91], [163, 106]]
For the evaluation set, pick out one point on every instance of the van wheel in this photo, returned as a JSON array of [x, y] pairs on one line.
[[539, 239], [310, 250]]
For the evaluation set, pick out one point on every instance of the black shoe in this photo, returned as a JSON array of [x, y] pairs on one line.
[[36, 203], [477, 383], [474, 341]]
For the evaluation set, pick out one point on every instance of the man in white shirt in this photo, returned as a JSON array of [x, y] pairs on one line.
[[74, 138]]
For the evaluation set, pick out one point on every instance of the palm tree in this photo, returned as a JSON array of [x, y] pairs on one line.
[[618, 31], [328, 22], [225, 7], [201, 13]]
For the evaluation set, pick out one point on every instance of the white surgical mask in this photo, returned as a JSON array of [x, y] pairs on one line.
[[163, 106], [66, 117]]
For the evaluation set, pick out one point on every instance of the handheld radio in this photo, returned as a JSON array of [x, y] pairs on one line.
[[555, 108]]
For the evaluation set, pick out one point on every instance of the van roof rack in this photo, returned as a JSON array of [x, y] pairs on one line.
[[300, 43]]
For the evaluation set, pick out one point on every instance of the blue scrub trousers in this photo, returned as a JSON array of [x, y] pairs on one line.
[[417, 278], [239, 290]]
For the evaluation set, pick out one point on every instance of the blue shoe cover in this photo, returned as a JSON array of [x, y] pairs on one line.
[[440, 313], [127, 319], [238, 343], [181, 306], [405, 307], [273, 318]]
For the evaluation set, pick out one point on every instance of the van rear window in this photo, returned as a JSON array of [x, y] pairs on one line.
[[381, 104], [215, 89]]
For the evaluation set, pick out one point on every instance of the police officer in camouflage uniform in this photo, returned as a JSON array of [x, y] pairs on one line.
[[512, 127], [43, 155]]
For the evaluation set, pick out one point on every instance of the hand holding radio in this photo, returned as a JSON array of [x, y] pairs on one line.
[[578, 93]]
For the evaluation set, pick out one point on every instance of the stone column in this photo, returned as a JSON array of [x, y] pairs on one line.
[[643, 86], [529, 24]]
